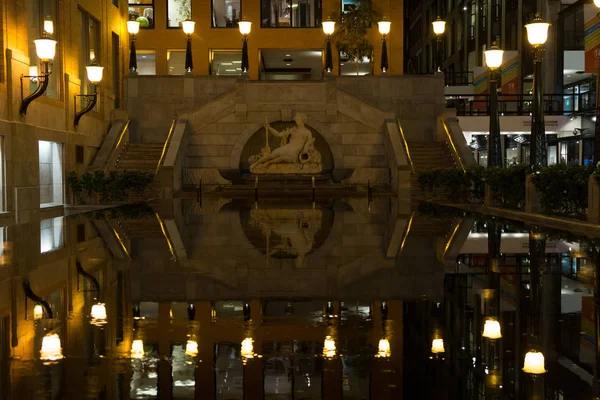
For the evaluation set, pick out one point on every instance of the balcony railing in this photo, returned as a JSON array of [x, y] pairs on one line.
[[459, 78], [521, 104]]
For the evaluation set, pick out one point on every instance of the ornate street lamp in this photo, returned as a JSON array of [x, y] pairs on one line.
[[245, 27], [534, 363], [437, 346], [537, 34], [493, 59], [491, 329], [439, 27], [188, 28], [597, 135], [329, 349], [133, 27], [384, 30], [328, 29], [45, 49], [94, 73]]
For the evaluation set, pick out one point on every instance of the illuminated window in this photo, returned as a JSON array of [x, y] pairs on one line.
[[175, 62], [291, 13], [51, 234], [226, 13], [226, 62], [39, 12], [177, 11], [51, 188], [146, 61], [143, 12]]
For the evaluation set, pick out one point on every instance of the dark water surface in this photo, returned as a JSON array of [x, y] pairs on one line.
[[292, 300]]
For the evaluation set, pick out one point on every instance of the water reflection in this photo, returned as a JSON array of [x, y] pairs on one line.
[[336, 300]]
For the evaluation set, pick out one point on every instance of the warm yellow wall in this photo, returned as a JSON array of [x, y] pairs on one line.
[[160, 39]]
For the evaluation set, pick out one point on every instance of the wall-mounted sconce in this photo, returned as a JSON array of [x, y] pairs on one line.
[[51, 348], [94, 73], [245, 27], [133, 27], [41, 309], [98, 313], [45, 49]]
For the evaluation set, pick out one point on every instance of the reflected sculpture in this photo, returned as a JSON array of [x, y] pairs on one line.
[[296, 153]]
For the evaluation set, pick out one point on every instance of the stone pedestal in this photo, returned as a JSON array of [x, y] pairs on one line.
[[531, 196], [593, 214]]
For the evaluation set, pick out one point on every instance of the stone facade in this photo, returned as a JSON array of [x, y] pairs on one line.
[[223, 114]]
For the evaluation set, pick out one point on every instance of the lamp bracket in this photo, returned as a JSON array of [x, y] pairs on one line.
[[42, 85], [90, 277], [90, 99], [29, 294]]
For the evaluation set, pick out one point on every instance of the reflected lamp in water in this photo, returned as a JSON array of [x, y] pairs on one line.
[[51, 348], [38, 312], [137, 349], [247, 348], [98, 314], [329, 347], [534, 363], [383, 350], [491, 329], [437, 346], [191, 348]]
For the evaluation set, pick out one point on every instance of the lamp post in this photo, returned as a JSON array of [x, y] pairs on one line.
[[94, 74], [245, 27], [45, 49], [537, 34], [493, 59], [439, 27], [188, 29], [597, 135], [133, 27], [384, 30], [328, 29]]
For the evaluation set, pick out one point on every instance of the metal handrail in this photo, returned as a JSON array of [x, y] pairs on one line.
[[114, 149], [412, 166], [166, 236], [445, 125], [164, 150]]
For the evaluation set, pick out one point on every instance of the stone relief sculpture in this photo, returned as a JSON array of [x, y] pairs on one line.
[[289, 233], [296, 153]]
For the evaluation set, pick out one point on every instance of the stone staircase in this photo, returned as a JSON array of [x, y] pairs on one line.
[[428, 155], [141, 156]]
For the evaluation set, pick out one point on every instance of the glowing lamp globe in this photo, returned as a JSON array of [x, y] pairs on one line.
[[383, 349], [137, 349], [439, 26], [188, 26], [437, 346], [597, 3], [94, 73], [38, 311], [45, 49], [328, 26], [247, 348], [493, 57], [534, 363], [133, 27], [329, 348], [51, 348], [537, 31], [245, 27], [491, 329], [384, 26], [49, 27], [191, 348], [98, 314]]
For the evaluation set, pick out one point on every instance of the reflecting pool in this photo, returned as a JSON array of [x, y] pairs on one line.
[[289, 299]]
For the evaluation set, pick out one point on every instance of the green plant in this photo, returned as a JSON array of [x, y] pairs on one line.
[[139, 210], [351, 36], [508, 185], [563, 189], [99, 187]]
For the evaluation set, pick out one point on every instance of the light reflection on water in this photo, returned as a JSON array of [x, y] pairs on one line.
[[335, 300]]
